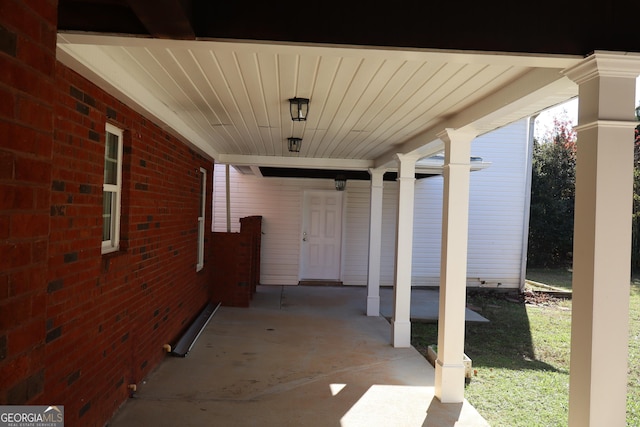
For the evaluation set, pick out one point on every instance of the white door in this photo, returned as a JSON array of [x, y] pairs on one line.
[[321, 235]]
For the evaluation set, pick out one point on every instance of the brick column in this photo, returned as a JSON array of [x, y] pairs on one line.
[[252, 226]]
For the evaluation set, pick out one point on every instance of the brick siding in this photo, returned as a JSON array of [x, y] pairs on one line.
[[77, 327], [27, 75]]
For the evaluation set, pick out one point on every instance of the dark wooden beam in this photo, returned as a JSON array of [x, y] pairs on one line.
[[548, 26], [556, 27], [167, 19], [110, 17]]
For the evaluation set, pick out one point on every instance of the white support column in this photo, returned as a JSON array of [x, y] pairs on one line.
[[375, 242], [449, 380], [400, 323], [602, 239]]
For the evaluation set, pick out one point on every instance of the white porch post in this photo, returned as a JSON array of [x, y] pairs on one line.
[[449, 380], [400, 323], [375, 242], [602, 239]]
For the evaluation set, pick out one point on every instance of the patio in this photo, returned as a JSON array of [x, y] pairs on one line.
[[300, 355]]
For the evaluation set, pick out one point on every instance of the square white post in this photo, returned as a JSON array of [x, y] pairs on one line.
[[375, 241], [449, 381], [400, 323], [602, 239]]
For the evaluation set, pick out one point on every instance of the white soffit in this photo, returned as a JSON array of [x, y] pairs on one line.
[[230, 99]]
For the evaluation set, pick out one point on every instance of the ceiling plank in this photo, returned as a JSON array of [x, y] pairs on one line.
[[520, 94], [165, 19], [109, 76], [364, 106]]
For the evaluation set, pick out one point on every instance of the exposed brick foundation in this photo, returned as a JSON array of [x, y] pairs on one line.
[[77, 327]]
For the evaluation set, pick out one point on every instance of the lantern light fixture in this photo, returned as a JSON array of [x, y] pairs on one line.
[[299, 108], [341, 182], [294, 144]]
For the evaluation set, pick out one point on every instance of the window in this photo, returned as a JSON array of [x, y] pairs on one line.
[[203, 199], [111, 189]]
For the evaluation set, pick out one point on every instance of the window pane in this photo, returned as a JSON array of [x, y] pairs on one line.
[[202, 184], [111, 159], [200, 242], [201, 215], [107, 215]]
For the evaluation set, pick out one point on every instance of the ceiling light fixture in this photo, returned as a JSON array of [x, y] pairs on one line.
[[341, 182], [294, 144], [299, 108]]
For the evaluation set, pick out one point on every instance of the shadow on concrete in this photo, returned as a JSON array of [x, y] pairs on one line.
[[448, 414], [299, 356]]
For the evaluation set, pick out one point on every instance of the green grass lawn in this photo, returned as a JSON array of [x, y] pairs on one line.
[[522, 358], [560, 277]]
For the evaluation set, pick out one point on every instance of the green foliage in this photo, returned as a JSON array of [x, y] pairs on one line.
[[521, 358], [635, 237], [560, 277], [520, 361], [552, 197], [633, 386]]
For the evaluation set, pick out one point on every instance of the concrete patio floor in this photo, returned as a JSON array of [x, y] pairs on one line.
[[299, 356]]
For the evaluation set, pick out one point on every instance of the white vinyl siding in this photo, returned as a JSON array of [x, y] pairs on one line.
[[497, 204], [356, 232], [279, 202]]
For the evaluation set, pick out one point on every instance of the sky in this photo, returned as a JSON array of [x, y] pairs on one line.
[[544, 121]]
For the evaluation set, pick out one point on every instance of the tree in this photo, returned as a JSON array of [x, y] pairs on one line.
[[635, 237], [553, 196]]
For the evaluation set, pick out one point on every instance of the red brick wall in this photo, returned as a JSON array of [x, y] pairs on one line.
[[77, 327], [27, 67], [109, 315]]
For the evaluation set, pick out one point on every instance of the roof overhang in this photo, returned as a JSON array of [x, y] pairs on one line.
[[228, 98]]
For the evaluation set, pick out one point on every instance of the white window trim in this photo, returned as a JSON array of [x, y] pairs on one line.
[[201, 217], [113, 244]]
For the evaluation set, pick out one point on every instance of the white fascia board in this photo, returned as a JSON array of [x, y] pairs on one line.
[[343, 50], [101, 70], [294, 162]]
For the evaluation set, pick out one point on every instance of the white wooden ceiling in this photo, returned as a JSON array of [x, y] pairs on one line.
[[230, 99]]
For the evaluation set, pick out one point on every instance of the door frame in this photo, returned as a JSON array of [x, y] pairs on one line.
[[341, 221]]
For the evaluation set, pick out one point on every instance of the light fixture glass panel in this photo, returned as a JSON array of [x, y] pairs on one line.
[[299, 109], [295, 144]]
